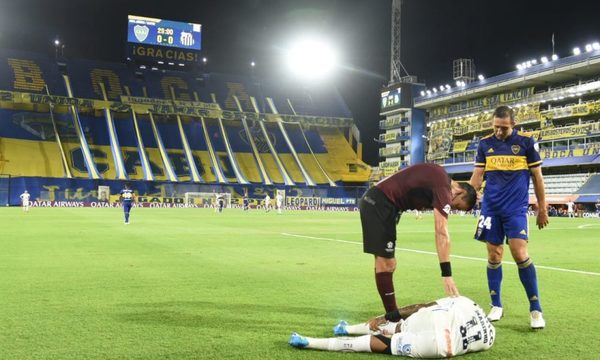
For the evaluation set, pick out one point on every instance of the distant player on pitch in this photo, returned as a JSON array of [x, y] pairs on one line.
[[279, 202], [25, 201], [246, 203], [446, 327], [571, 209], [127, 200], [220, 202], [267, 203]]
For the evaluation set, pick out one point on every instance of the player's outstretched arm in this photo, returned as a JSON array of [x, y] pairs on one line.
[[538, 186], [442, 243]]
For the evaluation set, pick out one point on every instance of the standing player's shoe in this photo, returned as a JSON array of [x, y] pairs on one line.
[[496, 313], [340, 329], [537, 320], [298, 341], [126, 222]]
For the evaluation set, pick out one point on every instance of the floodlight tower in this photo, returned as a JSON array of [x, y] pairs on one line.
[[463, 70], [395, 64], [403, 129]]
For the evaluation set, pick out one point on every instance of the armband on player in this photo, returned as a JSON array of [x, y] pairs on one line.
[[446, 269]]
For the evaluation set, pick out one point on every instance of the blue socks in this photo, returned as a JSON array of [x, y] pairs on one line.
[[528, 278], [494, 275]]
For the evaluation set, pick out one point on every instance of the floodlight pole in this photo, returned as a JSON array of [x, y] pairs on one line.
[[395, 64]]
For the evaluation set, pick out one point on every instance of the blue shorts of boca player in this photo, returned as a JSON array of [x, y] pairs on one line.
[[496, 229]]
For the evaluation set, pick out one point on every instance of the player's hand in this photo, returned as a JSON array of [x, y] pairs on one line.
[[376, 322], [542, 219], [449, 286]]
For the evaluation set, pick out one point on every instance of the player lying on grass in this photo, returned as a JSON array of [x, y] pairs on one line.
[[446, 327]]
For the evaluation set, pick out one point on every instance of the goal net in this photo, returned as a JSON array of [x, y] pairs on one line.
[[206, 199]]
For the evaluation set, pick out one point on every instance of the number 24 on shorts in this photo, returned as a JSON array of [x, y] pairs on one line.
[[485, 221]]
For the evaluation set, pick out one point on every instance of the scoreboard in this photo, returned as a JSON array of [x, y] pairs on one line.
[[158, 32], [391, 99]]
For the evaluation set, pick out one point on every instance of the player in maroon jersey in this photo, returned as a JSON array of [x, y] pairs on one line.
[[422, 186]]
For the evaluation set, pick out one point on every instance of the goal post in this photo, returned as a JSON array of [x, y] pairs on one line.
[[206, 199]]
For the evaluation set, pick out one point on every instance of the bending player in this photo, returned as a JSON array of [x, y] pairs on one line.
[[446, 327]]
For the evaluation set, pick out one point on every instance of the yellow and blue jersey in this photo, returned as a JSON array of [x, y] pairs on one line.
[[506, 165], [127, 195]]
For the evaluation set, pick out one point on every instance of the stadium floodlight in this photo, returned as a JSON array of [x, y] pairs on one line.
[[204, 60], [442, 88], [554, 57], [428, 92], [588, 48], [252, 64], [480, 77], [544, 59], [448, 87], [434, 90], [519, 66], [56, 42], [596, 45], [576, 51], [422, 93], [528, 64], [534, 61], [311, 59]]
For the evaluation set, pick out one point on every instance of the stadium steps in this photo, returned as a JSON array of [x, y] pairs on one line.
[[341, 161], [592, 186], [562, 184]]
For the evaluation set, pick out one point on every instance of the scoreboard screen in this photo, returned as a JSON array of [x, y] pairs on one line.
[[151, 31], [391, 99]]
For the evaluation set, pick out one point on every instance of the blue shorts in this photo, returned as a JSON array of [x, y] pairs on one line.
[[495, 229], [127, 206]]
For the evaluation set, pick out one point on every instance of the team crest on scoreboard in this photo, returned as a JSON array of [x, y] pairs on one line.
[[141, 32], [515, 149]]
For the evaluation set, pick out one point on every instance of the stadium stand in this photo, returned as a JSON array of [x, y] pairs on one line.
[[559, 108], [80, 123]]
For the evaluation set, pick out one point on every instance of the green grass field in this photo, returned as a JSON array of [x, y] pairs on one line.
[[189, 283]]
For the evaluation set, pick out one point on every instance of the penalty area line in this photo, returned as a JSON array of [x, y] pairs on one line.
[[433, 253]]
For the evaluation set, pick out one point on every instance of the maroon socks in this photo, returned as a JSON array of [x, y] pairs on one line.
[[385, 287]]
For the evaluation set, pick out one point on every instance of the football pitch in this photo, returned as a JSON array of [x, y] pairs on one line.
[[194, 284]]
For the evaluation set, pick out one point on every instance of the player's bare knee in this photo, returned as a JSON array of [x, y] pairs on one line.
[[495, 254], [384, 264], [518, 249]]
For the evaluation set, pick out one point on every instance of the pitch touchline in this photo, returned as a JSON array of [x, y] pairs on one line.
[[454, 256]]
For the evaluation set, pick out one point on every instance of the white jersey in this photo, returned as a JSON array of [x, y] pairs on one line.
[[267, 200], [279, 199], [455, 326], [25, 198], [570, 206]]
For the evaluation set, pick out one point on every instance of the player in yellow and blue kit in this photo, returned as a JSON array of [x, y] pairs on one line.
[[127, 199], [507, 160]]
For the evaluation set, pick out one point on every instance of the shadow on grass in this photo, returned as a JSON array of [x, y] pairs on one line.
[[245, 317]]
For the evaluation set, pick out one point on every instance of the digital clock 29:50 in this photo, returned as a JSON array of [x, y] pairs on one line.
[[164, 35]]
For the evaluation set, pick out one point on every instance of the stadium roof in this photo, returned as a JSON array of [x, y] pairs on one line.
[[563, 70]]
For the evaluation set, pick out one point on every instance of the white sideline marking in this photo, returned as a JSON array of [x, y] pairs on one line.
[[586, 225], [454, 256]]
